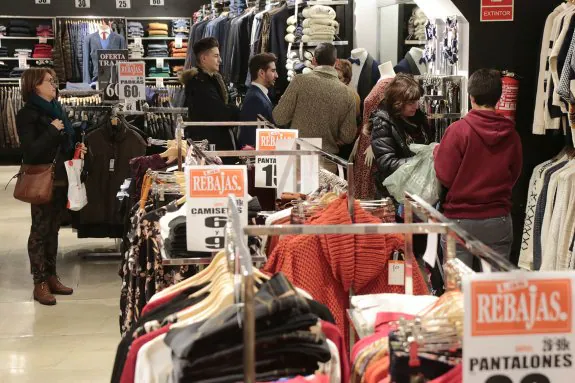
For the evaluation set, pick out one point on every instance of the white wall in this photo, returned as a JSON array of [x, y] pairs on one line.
[[365, 25]]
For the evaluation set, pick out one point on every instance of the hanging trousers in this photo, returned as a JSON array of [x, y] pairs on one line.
[[43, 240]]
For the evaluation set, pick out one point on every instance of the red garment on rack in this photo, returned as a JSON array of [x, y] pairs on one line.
[[362, 174], [332, 333], [129, 371], [329, 266], [158, 302]]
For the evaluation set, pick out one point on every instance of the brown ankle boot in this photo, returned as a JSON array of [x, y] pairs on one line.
[[56, 287], [43, 295]]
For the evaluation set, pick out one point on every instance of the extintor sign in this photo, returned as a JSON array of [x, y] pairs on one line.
[[518, 327]]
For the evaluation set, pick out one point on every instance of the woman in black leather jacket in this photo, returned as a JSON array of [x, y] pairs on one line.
[[396, 124]]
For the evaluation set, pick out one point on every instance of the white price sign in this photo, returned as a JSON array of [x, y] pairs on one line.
[[207, 190], [267, 175], [138, 41], [160, 82], [42, 2], [43, 40], [157, 3], [179, 43], [132, 80], [518, 327], [82, 3], [123, 4], [159, 62], [23, 60]]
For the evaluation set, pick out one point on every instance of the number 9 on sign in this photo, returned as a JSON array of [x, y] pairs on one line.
[[215, 243]]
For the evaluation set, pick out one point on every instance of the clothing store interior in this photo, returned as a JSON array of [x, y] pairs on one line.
[[186, 175]]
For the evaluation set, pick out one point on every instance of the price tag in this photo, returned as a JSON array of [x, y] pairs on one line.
[[157, 3], [396, 273], [160, 82], [159, 63], [518, 327], [42, 2], [130, 105], [266, 166], [179, 43], [132, 80], [123, 4], [23, 60], [43, 40], [207, 190], [82, 3], [138, 41]]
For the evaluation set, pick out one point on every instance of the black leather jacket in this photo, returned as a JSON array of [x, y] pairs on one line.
[[390, 139]]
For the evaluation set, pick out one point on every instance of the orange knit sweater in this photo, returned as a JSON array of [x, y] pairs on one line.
[[328, 266]]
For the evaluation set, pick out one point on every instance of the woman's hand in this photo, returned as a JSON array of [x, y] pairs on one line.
[[369, 156], [83, 150], [58, 124]]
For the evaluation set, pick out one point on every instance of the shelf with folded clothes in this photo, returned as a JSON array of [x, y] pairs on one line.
[[27, 58], [25, 38], [328, 2], [316, 43], [155, 38], [415, 42], [164, 78], [155, 58]]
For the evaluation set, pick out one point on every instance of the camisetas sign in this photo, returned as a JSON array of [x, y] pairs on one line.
[[208, 188], [518, 327]]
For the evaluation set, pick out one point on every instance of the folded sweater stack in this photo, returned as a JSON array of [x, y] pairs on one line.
[[4, 70], [157, 50], [19, 28], [319, 24], [3, 52], [136, 51], [157, 29], [44, 31], [296, 65], [159, 71], [181, 28], [178, 52], [135, 29], [42, 51]]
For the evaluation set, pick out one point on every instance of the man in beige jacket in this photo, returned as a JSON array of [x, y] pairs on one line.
[[318, 105]]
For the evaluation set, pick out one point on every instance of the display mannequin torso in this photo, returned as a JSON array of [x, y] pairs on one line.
[[361, 55]]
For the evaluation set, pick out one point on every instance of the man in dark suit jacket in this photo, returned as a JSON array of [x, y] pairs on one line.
[[257, 101]]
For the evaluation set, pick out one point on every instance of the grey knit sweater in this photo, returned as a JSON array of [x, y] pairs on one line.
[[318, 105]]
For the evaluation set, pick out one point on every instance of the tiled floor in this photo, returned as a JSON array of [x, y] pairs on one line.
[[74, 341]]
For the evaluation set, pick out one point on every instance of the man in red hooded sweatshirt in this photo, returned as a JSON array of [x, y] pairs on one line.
[[479, 161]]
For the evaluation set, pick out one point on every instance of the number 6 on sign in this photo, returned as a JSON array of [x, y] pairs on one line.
[[123, 4]]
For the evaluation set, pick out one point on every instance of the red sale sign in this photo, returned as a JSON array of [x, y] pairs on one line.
[[497, 10]]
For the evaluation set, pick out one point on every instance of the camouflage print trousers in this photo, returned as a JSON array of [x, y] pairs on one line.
[[43, 240]]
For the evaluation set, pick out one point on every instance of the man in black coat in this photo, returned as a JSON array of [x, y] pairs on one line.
[[257, 101], [207, 96]]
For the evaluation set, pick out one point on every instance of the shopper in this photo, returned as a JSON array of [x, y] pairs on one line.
[[344, 73], [207, 96], [257, 100], [319, 105], [396, 124], [479, 161], [45, 135]]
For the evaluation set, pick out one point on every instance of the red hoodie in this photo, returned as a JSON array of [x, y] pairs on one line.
[[479, 160]]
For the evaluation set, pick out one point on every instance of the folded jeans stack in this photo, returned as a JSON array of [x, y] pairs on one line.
[[181, 28], [3, 52], [44, 31], [22, 52], [178, 52], [19, 28], [159, 72], [135, 29], [136, 51], [42, 51], [157, 50], [157, 29]]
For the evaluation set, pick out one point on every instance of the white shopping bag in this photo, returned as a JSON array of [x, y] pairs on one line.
[[77, 198]]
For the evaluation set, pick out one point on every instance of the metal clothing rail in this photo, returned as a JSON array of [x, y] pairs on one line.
[[239, 254]]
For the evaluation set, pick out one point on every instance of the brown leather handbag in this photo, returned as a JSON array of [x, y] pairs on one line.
[[35, 183]]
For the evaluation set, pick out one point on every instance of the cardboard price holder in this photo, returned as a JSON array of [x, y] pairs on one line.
[[518, 327]]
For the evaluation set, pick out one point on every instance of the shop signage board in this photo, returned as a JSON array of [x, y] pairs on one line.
[[518, 327], [268, 173], [497, 10], [132, 80], [108, 60], [123, 4], [82, 3], [157, 3], [207, 191]]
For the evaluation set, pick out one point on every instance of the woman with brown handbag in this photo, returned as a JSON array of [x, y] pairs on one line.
[[47, 140]]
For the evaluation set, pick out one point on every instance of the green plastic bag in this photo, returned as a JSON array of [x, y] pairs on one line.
[[416, 176]]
